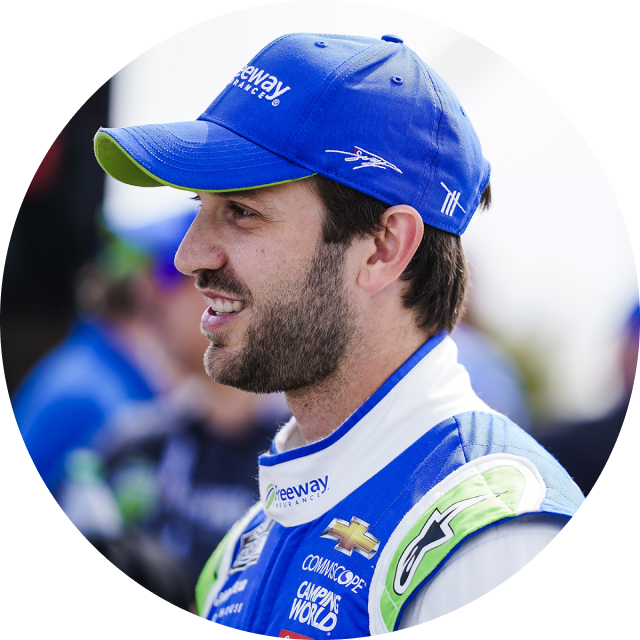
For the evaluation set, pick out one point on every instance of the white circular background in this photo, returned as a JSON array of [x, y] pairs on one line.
[[553, 270]]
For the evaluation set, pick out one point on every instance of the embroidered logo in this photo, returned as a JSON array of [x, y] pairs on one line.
[[435, 532], [271, 496], [334, 571], [352, 536], [237, 587], [259, 83], [315, 606], [367, 158], [282, 497], [450, 202], [251, 546]]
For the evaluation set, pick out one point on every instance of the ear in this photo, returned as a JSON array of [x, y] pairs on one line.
[[392, 248]]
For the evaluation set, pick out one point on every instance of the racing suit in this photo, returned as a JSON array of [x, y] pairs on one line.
[[349, 529]]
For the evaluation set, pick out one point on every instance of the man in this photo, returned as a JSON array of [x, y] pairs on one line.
[[336, 174], [103, 367]]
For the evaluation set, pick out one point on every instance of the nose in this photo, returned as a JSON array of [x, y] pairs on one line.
[[199, 249]]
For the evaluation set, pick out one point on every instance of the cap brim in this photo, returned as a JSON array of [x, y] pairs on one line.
[[195, 156]]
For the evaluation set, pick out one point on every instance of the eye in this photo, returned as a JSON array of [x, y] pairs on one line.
[[239, 213], [198, 202]]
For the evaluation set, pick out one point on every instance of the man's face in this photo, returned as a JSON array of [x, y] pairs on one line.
[[280, 316]]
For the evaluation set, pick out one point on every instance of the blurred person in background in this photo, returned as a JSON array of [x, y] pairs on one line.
[[176, 464], [495, 375], [109, 359], [187, 485], [584, 447]]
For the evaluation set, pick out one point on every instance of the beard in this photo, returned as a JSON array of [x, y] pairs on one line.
[[296, 340]]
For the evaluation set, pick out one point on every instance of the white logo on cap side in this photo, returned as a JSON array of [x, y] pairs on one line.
[[368, 159], [451, 201]]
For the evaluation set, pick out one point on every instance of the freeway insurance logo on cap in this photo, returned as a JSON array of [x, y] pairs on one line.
[[260, 83]]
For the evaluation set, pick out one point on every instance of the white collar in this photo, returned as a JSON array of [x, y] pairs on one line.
[[299, 485]]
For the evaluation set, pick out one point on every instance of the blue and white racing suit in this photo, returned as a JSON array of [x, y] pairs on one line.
[[351, 528]]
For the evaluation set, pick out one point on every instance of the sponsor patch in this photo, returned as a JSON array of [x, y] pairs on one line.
[[251, 546], [282, 497], [315, 606], [435, 532], [222, 597], [227, 611], [352, 536], [334, 571]]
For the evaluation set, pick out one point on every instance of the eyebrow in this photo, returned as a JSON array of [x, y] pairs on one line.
[[248, 194]]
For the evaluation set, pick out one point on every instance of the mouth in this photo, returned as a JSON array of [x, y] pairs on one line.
[[220, 311], [224, 306]]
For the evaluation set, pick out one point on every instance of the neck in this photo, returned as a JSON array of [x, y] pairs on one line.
[[320, 409]]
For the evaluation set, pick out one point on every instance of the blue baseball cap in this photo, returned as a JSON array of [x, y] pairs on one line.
[[363, 112]]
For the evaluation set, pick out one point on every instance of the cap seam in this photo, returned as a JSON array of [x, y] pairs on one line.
[[312, 117], [263, 50], [435, 162], [177, 164], [313, 100]]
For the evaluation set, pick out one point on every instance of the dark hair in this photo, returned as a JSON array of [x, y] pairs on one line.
[[437, 274]]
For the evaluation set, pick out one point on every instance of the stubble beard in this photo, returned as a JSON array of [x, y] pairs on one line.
[[298, 339]]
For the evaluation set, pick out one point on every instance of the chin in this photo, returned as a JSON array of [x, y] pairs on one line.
[[219, 364]]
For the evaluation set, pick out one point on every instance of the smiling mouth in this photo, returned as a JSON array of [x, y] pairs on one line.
[[224, 307]]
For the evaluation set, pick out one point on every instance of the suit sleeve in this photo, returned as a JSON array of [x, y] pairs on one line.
[[482, 563]]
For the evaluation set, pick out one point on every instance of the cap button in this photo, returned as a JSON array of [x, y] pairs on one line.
[[391, 38]]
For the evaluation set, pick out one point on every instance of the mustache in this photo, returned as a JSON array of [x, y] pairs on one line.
[[224, 282]]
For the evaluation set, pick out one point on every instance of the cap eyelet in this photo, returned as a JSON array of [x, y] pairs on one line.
[[321, 43], [397, 79]]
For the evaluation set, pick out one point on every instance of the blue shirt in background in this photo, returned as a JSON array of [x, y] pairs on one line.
[[494, 375], [72, 392]]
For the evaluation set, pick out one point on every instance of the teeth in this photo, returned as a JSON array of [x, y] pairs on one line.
[[220, 305]]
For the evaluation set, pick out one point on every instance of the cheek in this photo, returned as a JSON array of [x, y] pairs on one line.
[[263, 268]]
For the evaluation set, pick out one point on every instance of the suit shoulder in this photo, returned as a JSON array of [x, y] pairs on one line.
[[484, 433]]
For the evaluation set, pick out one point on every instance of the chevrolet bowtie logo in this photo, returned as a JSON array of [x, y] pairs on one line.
[[352, 537]]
